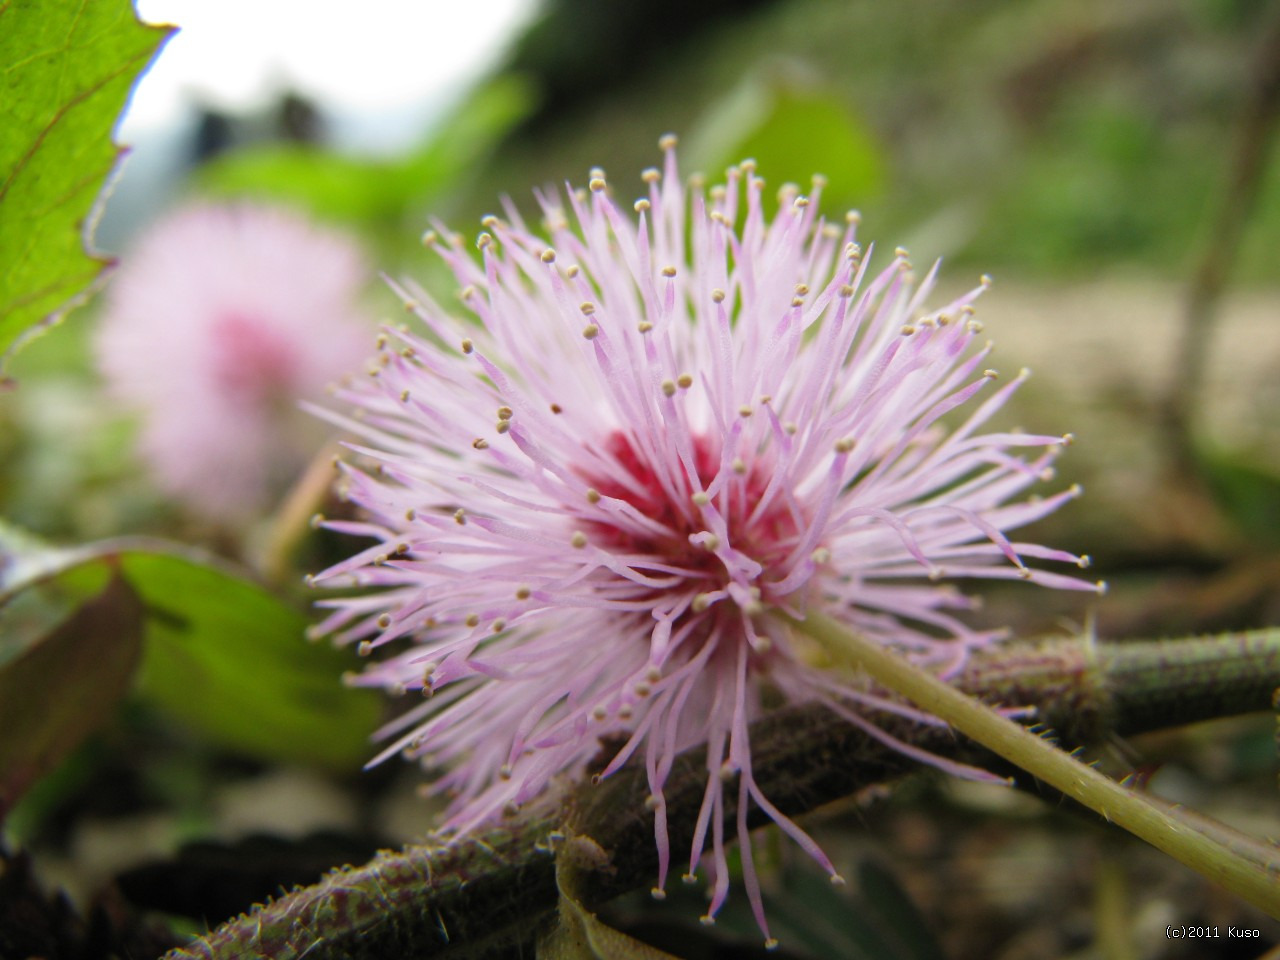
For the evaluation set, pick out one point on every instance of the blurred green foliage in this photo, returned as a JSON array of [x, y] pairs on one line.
[[772, 120], [377, 195], [1248, 493], [583, 50]]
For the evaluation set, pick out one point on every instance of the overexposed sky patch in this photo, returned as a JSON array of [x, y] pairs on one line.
[[380, 57]]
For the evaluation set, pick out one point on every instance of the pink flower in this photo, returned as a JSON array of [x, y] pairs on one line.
[[217, 323], [598, 503]]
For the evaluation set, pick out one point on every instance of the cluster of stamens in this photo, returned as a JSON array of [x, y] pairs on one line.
[[599, 503]]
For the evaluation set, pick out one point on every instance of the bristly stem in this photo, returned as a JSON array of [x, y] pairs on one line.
[[461, 899], [1256, 882]]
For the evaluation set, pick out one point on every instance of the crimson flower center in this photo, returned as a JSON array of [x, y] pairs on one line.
[[665, 495]]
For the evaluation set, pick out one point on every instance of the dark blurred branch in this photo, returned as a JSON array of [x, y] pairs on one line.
[[1248, 164], [483, 895]]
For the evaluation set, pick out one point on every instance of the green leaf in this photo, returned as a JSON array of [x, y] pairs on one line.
[[228, 658], [792, 132], [222, 654], [65, 684], [67, 70]]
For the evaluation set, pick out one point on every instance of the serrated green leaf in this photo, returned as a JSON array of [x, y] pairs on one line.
[[66, 70], [64, 685]]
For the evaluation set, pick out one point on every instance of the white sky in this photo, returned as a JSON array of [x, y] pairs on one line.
[[391, 58]]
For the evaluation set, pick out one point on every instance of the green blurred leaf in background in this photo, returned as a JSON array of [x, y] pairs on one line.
[[228, 658], [792, 130], [220, 654], [67, 72]]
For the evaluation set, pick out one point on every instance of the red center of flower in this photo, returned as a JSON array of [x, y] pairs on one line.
[[667, 499], [252, 363]]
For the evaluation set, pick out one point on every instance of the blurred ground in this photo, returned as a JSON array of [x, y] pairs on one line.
[[1112, 342], [1183, 553]]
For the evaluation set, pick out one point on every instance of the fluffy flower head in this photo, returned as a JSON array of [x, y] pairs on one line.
[[217, 323], [599, 502]]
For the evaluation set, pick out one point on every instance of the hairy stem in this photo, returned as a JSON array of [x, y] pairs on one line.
[[480, 896]]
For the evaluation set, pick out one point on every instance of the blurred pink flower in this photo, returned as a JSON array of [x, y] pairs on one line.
[[597, 504], [217, 323]]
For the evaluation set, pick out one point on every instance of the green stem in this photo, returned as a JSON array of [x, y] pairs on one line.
[[1249, 880]]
